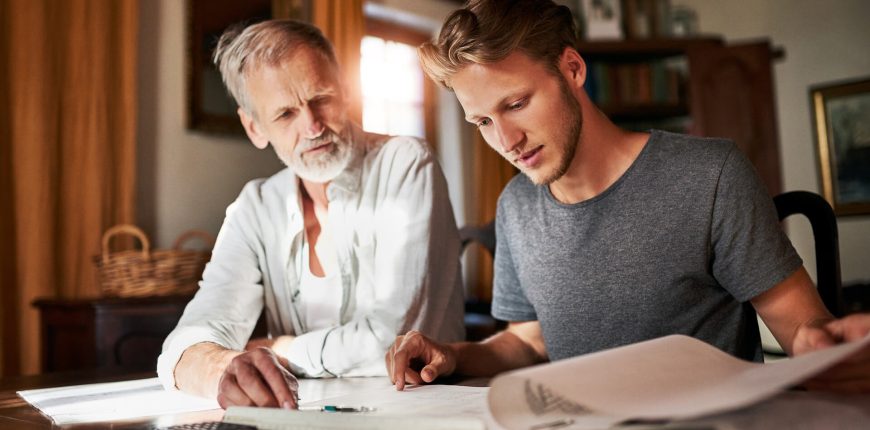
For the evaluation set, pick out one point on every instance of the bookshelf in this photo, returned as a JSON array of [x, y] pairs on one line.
[[640, 49], [641, 83], [695, 85]]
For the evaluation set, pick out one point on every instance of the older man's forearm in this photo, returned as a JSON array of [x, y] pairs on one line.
[[200, 368]]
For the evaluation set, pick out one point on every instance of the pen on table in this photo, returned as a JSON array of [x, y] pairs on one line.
[[553, 424], [333, 408]]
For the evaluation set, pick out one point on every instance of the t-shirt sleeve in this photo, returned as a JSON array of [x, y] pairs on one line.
[[509, 302], [751, 253]]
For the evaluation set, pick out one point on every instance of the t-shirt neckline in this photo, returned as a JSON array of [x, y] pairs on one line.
[[653, 136]]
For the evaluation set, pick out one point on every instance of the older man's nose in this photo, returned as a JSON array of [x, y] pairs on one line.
[[312, 125]]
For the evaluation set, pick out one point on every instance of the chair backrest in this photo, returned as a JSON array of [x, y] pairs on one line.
[[479, 323], [482, 234], [824, 225]]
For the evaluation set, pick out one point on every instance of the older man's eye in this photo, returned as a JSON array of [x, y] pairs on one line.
[[320, 100], [484, 122], [287, 114]]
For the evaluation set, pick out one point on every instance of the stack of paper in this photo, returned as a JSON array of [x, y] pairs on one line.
[[113, 401], [427, 407], [670, 378], [674, 377]]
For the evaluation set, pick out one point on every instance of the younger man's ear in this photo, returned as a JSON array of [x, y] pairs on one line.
[[253, 130], [573, 67]]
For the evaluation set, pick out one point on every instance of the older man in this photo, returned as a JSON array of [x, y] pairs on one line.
[[353, 243], [611, 237]]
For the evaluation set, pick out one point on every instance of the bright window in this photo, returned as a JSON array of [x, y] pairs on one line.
[[392, 88]]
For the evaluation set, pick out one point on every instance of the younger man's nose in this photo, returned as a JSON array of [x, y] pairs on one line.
[[509, 138]]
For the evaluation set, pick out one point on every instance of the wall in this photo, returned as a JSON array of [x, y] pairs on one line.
[[823, 42], [185, 179]]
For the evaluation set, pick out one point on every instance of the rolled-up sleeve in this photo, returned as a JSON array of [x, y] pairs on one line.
[[225, 309]]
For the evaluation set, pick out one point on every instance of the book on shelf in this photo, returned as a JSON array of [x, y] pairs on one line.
[[634, 84]]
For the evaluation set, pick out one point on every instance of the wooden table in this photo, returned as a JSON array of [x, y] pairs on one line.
[[15, 413], [790, 409]]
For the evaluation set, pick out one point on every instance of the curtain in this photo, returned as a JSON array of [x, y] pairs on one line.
[[343, 22], [8, 301], [491, 173], [67, 123]]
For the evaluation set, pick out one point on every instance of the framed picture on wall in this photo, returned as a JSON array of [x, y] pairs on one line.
[[841, 114], [602, 19]]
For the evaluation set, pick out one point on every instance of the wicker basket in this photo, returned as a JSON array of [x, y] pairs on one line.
[[135, 273]]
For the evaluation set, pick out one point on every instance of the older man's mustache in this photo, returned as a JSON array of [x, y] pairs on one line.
[[307, 144]]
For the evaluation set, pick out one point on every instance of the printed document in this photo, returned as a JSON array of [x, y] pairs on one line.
[[113, 401], [673, 377], [421, 407]]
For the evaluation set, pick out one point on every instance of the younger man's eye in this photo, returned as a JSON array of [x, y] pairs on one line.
[[517, 105], [484, 122]]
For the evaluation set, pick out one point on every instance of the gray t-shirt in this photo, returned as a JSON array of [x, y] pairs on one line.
[[678, 244]]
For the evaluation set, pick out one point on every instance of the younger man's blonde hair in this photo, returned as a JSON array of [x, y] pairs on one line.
[[487, 31]]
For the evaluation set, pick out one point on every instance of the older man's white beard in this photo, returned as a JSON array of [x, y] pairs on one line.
[[320, 168]]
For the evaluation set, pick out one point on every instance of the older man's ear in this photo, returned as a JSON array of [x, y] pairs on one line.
[[253, 129]]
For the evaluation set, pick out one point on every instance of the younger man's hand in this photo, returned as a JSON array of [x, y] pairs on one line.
[[416, 359], [849, 376]]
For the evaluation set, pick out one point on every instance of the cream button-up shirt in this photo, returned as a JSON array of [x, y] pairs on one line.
[[397, 249]]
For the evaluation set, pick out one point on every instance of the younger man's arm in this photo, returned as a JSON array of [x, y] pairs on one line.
[[800, 322], [520, 345]]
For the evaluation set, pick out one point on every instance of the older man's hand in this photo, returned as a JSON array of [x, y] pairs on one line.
[[258, 377]]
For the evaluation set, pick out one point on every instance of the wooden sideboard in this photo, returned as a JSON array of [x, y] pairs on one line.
[[122, 333]]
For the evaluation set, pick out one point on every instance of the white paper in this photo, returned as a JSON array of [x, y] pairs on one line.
[[113, 401], [674, 377], [417, 400], [428, 407]]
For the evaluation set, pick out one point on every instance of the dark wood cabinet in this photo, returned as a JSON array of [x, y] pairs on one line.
[[731, 91], [123, 333]]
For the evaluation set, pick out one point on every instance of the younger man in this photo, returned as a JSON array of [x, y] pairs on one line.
[[611, 237]]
